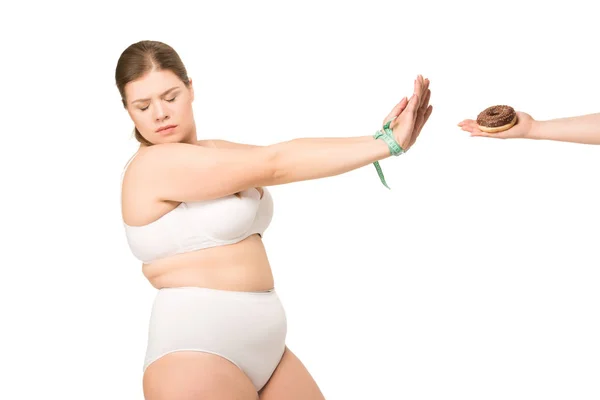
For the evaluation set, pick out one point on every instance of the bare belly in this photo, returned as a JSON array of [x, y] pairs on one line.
[[242, 266]]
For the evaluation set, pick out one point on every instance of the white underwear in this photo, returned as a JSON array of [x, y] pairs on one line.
[[246, 328]]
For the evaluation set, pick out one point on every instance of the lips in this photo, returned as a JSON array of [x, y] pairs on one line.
[[165, 128]]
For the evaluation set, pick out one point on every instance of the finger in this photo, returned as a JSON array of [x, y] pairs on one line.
[[419, 89], [468, 125], [471, 126], [423, 89], [401, 106], [478, 133], [412, 106], [465, 121], [471, 129], [397, 110], [409, 115], [474, 130], [423, 84], [426, 116], [428, 112], [425, 102], [422, 109]]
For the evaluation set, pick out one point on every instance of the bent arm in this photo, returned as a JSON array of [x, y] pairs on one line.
[[580, 129]]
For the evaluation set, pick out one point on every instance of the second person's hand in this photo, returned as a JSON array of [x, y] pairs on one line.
[[520, 130]]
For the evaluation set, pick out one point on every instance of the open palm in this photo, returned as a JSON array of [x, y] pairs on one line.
[[409, 116], [520, 130]]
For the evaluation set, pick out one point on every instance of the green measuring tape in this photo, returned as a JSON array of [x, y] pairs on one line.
[[387, 136]]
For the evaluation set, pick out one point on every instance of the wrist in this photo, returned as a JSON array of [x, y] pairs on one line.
[[386, 138], [387, 135], [535, 130]]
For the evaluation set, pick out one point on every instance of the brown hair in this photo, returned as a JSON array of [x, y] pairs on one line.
[[141, 58]]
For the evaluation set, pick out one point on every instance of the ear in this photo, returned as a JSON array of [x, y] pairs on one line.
[[191, 89]]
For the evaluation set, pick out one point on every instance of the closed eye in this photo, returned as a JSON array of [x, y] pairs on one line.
[[169, 100]]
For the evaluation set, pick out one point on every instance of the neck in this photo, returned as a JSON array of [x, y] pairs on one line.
[[191, 138]]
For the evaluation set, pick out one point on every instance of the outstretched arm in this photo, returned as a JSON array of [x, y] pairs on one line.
[[579, 129], [583, 129], [183, 172]]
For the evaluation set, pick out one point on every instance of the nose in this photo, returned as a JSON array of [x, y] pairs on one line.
[[160, 112]]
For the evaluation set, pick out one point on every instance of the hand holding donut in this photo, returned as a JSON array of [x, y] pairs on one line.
[[410, 115], [501, 122]]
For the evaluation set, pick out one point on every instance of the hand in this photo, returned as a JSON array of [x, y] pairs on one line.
[[410, 115], [520, 130]]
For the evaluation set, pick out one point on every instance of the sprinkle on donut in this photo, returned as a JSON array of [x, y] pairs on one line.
[[496, 119], [496, 116]]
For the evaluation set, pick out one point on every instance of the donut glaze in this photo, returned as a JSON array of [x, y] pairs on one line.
[[496, 116]]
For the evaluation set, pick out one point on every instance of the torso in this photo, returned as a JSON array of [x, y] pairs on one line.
[[242, 266]]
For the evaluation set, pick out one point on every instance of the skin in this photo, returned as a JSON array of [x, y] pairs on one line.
[[196, 375], [583, 129]]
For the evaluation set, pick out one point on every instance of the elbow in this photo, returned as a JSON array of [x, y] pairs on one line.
[[276, 172]]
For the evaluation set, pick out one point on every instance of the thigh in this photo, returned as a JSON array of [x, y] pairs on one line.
[[193, 375], [291, 381]]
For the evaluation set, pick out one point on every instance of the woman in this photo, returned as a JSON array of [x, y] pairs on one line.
[[195, 212], [583, 129]]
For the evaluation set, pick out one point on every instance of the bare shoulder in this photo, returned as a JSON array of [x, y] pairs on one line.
[[138, 165], [137, 183], [137, 204], [147, 157], [140, 192]]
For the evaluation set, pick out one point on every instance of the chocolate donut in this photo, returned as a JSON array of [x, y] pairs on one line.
[[497, 119]]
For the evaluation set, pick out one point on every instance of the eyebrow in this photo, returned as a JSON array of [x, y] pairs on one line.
[[164, 93]]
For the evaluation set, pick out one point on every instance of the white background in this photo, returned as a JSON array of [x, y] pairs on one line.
[[475, 277]]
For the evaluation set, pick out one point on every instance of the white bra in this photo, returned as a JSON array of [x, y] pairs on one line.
[[202, 224]]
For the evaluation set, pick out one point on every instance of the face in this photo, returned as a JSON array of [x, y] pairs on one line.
[[160, 106]]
